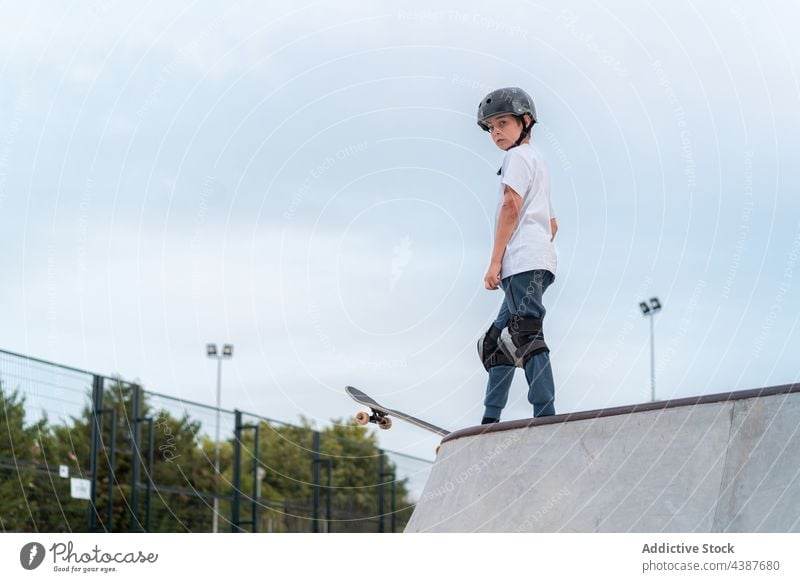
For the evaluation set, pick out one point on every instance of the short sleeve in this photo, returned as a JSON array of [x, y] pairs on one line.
[[517, 173]]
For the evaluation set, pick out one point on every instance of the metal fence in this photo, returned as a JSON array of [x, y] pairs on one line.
[[85, 452]]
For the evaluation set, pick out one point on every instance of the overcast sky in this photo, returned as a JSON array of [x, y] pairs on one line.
[[307, 182]]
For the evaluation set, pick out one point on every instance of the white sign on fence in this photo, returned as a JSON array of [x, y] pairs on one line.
[[80, 488]]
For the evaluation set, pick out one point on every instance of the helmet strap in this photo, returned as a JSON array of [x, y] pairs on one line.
[[526, 129]]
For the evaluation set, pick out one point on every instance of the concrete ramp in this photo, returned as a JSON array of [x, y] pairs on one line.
[[719, 463]]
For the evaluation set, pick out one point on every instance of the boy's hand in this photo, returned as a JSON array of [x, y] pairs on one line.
[[553, 228], [492, 278]]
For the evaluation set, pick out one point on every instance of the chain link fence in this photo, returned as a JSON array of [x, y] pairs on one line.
[[84, 452]]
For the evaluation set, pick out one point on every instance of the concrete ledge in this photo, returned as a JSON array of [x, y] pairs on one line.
[[718, 463], [630, 409]]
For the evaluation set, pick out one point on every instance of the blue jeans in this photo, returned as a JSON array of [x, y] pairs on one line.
[[523, 297]]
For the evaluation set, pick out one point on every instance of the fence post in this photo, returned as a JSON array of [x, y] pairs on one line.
[[137, 463], [315, 481], [256, 484], [111, 454], [97, 404], [254, 506], [148, 496], [136, 459], [237, 471], [394, 502], [328, 498], [381, 463]]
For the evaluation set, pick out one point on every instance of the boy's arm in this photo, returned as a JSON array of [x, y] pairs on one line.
[[553, 221], [507, 221]]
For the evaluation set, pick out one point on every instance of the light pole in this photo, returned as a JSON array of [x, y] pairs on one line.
[[650, 311], [227, 352]]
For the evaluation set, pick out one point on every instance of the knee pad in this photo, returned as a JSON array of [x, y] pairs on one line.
[[527, 336], [493, 351]]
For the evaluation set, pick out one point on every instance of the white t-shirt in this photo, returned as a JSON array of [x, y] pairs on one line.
[[530, 247]]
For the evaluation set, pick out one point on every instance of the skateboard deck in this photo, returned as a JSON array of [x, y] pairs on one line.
[[381, 415]]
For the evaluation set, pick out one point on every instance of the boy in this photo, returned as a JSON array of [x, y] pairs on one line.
[[523, 261]]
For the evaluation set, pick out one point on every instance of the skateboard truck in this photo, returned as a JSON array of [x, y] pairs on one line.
[[380, 414], [380, 418]]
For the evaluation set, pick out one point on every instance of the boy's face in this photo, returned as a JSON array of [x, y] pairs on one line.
[[505, 130]]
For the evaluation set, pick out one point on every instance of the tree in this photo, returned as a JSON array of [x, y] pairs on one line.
[[182, 477], [286, 454], [24, 477]]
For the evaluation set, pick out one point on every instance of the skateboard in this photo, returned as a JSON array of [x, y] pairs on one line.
[[380, 414]]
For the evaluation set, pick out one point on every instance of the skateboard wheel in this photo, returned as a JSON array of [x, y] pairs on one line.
[[362, 418], [385, 423]]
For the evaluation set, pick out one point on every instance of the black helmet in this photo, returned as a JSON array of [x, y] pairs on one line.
[[511, 100]]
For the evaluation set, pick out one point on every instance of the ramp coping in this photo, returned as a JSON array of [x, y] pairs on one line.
[[618, 410]]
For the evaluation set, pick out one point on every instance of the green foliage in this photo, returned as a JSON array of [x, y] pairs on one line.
[[34, 498]]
